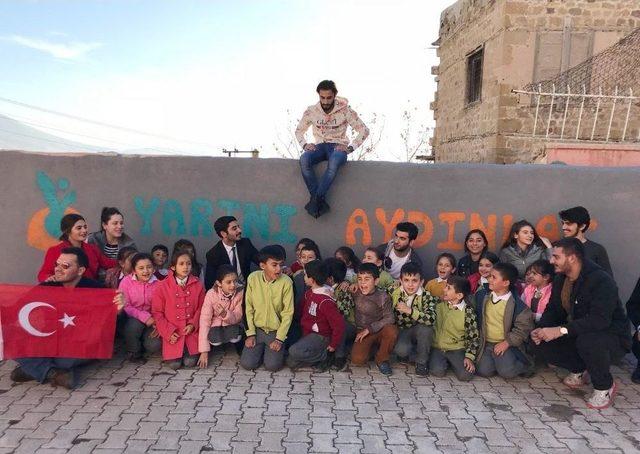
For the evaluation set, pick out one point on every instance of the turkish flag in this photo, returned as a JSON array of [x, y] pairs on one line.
[[56, 322]]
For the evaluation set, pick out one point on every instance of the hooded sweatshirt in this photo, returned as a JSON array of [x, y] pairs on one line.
[[332, 127]]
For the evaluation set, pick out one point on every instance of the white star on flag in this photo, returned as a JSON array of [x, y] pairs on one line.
[[67, 320]]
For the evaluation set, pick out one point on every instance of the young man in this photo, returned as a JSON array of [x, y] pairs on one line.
[[584, 327], [232, 250], [322, 322], [269, 311], [505, 323], [400, 250], [575, 223], [374, 321], [415, 315], [328, 119], [344, 301], [69, 268]]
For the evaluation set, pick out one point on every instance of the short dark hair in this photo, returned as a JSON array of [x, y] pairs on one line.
[[379, 253], [160, 247], [410, 228], [460, 285], [479, 232], [317, 270], [66, 224], [140, 256], [411, 269], [222, 224], [312, 247], [543, 267], [493, 258], [106, 214], [579, 215], [81, 256], [369, 268], [571, 246], [508, 272], [448, 256], [273, 251], [348, 255], [337, 269], [327, 85], [125, 252], [223, 271], [177, 253]]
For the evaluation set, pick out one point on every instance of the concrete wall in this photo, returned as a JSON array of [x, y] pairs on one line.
[[166, 198]]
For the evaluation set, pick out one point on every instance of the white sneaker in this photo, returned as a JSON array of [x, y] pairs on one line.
[[575, 381], [602, 399]]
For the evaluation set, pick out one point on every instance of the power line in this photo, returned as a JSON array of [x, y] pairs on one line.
[[99, 123]]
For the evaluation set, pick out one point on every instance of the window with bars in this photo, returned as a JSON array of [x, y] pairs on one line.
[[474, 76]]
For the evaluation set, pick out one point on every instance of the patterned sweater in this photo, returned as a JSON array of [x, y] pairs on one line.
[[423, 308], [455, 331]]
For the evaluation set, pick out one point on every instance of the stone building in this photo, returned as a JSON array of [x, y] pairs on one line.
[[558, 48]]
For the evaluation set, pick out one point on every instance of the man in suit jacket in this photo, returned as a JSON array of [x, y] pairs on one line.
[[232, 249]]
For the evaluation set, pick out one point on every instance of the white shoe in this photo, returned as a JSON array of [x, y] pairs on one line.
[[575, 381], [602, 399]]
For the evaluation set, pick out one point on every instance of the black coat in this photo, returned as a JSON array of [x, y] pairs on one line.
[[633, 306], [217, 256], [595, 305]]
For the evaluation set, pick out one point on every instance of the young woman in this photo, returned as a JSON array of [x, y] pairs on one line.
[[523, 247], [475, 243], [74, 233], [111, 238]]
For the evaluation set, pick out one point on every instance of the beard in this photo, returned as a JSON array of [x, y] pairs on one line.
[[328, 107]]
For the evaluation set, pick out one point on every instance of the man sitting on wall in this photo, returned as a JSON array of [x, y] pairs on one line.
[[329, 119], [584, 327]]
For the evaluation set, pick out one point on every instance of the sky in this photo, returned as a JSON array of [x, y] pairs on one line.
[[203, 76]]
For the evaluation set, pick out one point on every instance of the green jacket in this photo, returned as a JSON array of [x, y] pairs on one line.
[[269, 305], [422, 308]]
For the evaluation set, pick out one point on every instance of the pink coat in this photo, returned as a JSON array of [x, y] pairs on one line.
[[209, 319], [138, 295], [173, 308], [527, 296]]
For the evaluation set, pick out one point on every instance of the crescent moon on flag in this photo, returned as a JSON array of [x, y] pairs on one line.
[[23, 318]]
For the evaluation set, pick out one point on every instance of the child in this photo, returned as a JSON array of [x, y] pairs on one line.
[[322, 322], [344, 301], [308, 253], [160, 253], [415, 315], [376, 257], [457, 339], [176, 306], [140, 332], [505, 323], [298, 265], [221, 315], [374, 320], [269, 311], [348, 257], [197, 269], [480, 280], [445, 267], [115, 275], [536, 295]]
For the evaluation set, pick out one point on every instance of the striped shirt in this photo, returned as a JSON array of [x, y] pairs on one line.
[[111, 251]]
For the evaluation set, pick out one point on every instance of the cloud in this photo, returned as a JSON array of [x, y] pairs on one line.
[[68, 51]]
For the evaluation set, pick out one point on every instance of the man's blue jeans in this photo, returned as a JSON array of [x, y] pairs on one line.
[[39, 367], [323, 152]]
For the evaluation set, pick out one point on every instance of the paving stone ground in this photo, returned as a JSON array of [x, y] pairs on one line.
[[126, 408]]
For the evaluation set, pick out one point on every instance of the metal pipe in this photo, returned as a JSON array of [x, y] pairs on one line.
[[535, 120], [595, 118], [626, 121], [566, 109], [553, 89], [584, 92], [613, 109]]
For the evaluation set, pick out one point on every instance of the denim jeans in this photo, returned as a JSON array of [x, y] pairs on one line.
[[323, 152]]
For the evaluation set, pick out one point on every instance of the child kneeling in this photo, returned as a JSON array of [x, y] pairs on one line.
[[221, 315], [322, 323], [374, 320], [457, 339]]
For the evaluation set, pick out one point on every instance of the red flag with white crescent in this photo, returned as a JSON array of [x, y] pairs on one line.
[[56, 322]]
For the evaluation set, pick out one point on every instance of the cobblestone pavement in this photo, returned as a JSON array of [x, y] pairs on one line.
[[121, 407]]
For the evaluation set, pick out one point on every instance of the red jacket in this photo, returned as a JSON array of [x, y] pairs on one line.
[[174, 307], [320, 315], [97, 260], [474, 281]]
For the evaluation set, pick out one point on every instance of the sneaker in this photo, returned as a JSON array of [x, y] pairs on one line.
[[61, 377], [403, 359], [18, 375], [340, 364], [602, 399], [575, 381], [635, 376], [385, 368], [422, 370]]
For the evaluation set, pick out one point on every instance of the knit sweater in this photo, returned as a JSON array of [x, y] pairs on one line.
[[456, 329], [422, 308], [373, 311], [269, 305], [321, 315]]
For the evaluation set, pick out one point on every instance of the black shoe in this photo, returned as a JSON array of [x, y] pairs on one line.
[[530, 371], [422, 370], [635, 376], [312, 206], [325, 365], [61, 377], [385, 368], [340, 364], [136, 358], [239, 346], [323, 206], [18, 375], [403, 359]]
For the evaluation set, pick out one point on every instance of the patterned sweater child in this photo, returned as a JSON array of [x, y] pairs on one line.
[[457, 328], [422, 306]]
